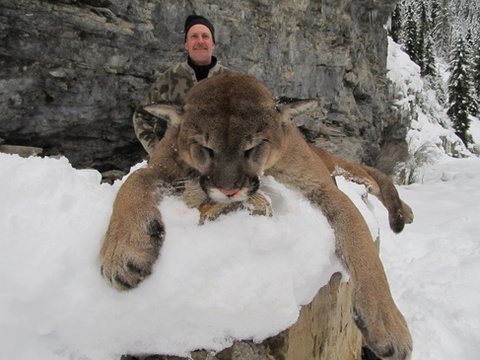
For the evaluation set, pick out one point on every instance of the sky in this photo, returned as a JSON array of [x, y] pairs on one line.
[[239, 277]]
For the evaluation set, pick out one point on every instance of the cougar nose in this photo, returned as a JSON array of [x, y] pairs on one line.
[[229, 192]]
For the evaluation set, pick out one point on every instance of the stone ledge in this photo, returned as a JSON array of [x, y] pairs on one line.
[[23, 151]]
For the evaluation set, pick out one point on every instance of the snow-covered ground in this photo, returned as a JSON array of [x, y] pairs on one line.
[[221, 281], [434, 264]]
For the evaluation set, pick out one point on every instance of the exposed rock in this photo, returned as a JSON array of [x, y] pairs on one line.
[[23, 151], [72, 71], [110, 176]]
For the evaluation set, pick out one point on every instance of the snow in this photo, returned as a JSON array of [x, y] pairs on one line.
[[431, 136], [434, 264], [240, 276]]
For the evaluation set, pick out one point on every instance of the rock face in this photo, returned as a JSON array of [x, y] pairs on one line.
[[72, 71]]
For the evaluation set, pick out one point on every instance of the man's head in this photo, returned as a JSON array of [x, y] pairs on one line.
[[199, 39]]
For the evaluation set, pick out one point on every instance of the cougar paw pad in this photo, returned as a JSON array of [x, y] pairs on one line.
[[120, 283], [129, 275], [142, 272]]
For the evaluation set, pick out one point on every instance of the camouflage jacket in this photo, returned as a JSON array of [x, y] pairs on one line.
[[171, 86]]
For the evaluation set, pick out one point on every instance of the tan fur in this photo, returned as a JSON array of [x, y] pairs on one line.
[[228, 134], [376, 182]]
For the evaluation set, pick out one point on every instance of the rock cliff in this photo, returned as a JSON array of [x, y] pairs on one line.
[[72, 71]]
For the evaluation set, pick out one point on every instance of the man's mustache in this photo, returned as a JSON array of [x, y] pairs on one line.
[[202, 47]]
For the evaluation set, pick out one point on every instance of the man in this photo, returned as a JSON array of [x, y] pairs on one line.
[[174, 83]]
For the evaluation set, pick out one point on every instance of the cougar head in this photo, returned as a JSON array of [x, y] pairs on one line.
[[231, 130]]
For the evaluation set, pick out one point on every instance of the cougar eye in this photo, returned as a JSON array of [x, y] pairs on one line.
[[201, 153], [249, 153], [207, 150]]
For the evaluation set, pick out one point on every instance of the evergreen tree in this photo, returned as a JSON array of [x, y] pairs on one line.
[[421, 34], [442, 30], [396, 24], [411, 35], [435, 6], [460, 91], [429, 67], [476, 74], [425, 43], [469, 40]]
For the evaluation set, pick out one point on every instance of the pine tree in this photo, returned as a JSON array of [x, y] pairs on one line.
[[475, 69], [460, 91], [429, 67], [411, 35], [435, 6], [421, 34], [396, 24], [469, 40], [442, 29], [425, 44], [476, 74]]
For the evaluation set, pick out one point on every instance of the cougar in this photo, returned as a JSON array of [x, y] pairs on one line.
[[227, 135]]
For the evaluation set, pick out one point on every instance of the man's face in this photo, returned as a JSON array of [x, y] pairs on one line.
[[199, 44]]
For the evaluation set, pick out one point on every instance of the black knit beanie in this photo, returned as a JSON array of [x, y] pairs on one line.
[[198, 19]]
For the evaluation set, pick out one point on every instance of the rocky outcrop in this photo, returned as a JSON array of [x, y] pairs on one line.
[[72, 71]]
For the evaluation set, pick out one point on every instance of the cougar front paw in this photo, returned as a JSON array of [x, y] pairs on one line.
[[386, 333], [127, 256]]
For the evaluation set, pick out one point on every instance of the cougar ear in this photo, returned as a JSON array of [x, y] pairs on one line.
[[168, 112], [289, 107]]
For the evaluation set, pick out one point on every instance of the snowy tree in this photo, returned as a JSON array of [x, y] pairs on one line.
[[476, 73], [429, 67], [442, 27], [411, 35], [473, 49], [460, 91], [469, 40], [425, 45], [416, 34], [396, 24]]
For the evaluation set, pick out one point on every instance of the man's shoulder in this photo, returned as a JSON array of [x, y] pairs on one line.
[[180, 68], [219, 69]]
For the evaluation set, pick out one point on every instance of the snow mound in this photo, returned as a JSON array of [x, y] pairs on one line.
[[240, 277]]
